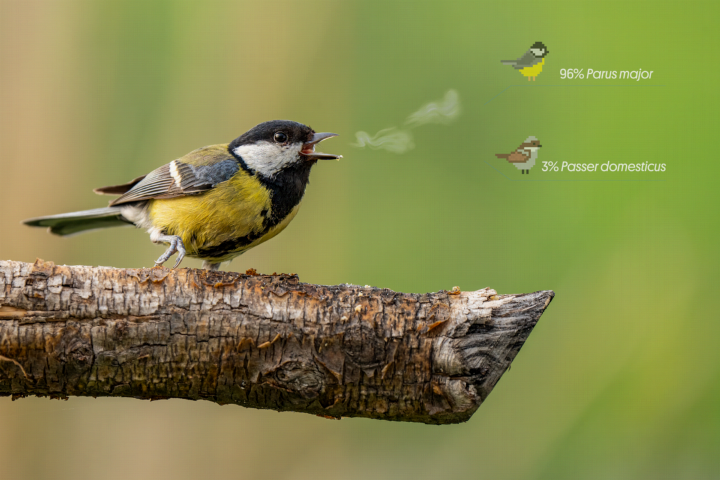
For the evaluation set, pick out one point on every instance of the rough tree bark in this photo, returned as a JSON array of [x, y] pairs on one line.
[[256, 340]]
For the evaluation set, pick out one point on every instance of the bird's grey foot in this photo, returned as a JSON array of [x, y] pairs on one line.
[[176, 245], [211, 266]]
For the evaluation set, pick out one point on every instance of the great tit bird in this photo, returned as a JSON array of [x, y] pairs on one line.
[[532, 62], [524, 156], [216, 202]]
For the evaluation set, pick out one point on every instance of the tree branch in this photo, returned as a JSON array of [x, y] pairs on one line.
[[257, 341]]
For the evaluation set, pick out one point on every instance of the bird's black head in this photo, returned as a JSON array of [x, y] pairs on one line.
[[539, 49], [273, 146]]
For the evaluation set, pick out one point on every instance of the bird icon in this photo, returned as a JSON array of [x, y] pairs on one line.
[[532, 62], [524, 156], [216, 202]]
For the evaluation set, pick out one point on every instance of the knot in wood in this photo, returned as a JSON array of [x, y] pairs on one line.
[[363, 347], [303, 377]]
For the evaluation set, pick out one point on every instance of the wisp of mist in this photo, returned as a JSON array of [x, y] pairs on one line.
[[397, 140]]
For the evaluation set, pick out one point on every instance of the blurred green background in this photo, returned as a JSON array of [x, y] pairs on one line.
[[621, 377]]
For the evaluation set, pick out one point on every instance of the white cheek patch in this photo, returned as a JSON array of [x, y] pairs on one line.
[[268, 158]]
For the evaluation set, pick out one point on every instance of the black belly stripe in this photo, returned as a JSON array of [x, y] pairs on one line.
[[287, 188], [228, 246], [286, 191]]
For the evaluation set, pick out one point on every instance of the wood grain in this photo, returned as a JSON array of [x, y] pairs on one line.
[[256, 340]]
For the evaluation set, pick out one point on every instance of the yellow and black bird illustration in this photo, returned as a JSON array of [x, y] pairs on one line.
[[524, 156], [216, 202], [532, 62]]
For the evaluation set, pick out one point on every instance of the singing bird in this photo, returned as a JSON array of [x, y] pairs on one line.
[[532, 62], [216, 202], [524, 156]]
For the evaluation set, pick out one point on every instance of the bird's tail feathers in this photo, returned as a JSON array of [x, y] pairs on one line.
[[76, 222], [502, 155]]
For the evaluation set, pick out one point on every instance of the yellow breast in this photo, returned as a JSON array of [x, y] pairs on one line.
[[534, 70], [224, 221]]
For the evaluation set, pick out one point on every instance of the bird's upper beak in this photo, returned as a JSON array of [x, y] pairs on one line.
[[308, 149]]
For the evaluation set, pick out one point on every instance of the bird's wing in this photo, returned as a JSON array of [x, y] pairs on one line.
[[192, 174], [527, 60], [518, 156]]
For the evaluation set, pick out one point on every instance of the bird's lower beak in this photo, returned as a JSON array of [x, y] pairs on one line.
[[308, 149]]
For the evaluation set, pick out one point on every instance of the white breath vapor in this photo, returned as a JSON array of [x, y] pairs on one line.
[[390, 139], [400, 141], [444, 111]]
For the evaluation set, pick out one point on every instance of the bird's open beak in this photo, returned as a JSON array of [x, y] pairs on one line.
[[309, 152]]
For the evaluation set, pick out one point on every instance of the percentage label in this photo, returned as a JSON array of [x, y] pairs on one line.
[[570, 73], [550, 167]]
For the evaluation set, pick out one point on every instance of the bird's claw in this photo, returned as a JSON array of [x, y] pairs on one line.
[[181, 255], [176, 245]]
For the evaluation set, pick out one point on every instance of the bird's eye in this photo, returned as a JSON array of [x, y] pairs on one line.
[[280, 137]]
